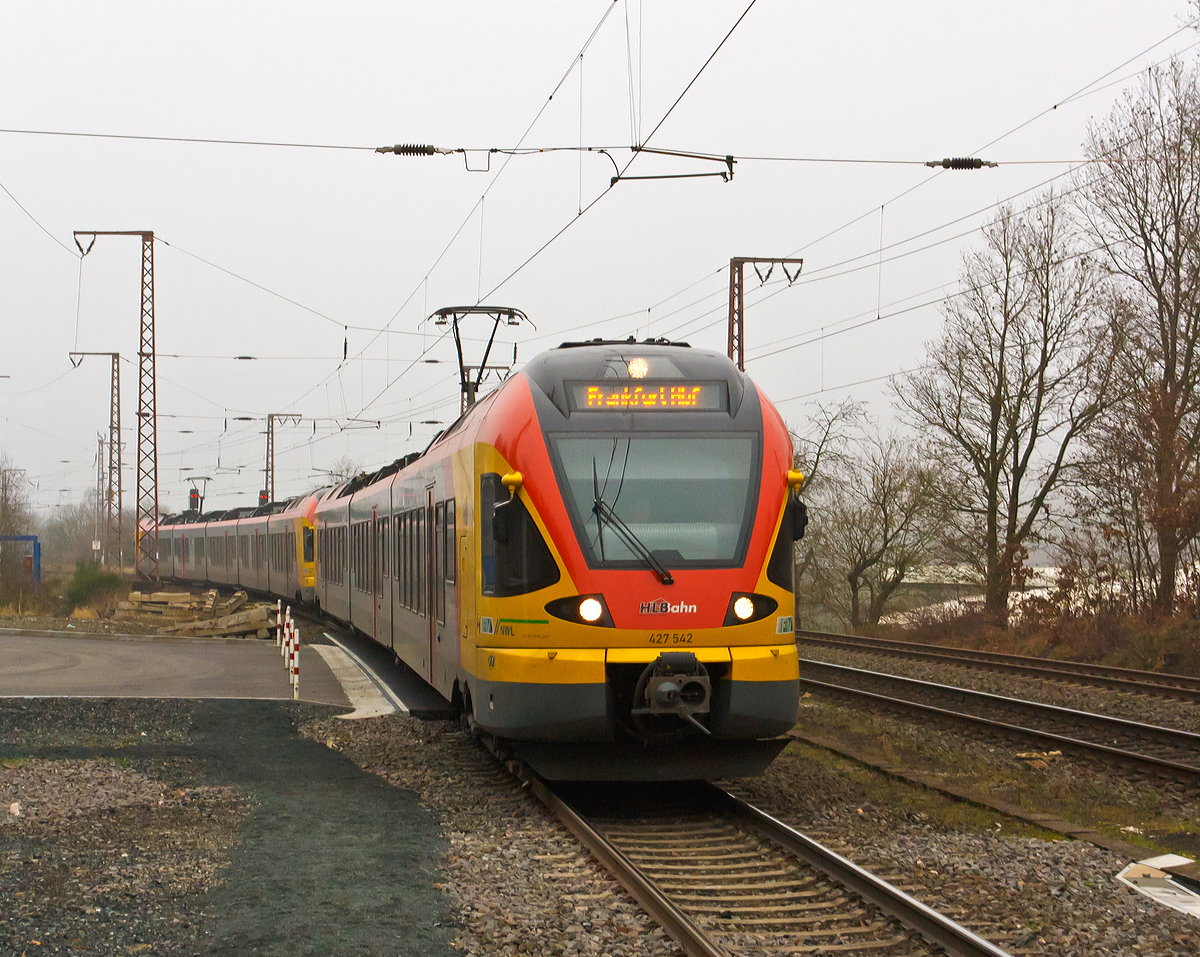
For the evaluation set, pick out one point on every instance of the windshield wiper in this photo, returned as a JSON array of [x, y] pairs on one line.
[[597, 497], [604, 513]]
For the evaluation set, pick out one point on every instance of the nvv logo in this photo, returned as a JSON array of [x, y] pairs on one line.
[[661, 606]]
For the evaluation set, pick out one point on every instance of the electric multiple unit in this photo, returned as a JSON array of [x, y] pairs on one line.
[[594, 563]]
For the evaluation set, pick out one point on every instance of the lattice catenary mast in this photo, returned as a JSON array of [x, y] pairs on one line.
[[737, 304], [146, 563], [109, 524]]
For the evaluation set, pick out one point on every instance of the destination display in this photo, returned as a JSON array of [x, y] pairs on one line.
[[623, 395]]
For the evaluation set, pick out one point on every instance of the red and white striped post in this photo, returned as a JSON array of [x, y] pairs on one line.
[[278, 622], [295, 663]]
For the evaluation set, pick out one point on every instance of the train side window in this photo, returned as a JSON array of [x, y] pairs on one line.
[[385, 570], [407, 570], [451, 539], [412, 561], [523, 562], [439, 561], [421, 570], [309, 545], [406, 530]]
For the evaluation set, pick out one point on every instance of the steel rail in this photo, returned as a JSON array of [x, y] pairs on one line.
[[1162, 766], [692, 939], [937, 930], [1124, 679]]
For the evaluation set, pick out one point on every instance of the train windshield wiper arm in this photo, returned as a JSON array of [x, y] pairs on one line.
[[605, 515]]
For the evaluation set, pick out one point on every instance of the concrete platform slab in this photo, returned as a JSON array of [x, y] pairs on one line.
[[138, 667]]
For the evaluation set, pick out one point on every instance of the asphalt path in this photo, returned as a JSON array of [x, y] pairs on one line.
[[34, 665]]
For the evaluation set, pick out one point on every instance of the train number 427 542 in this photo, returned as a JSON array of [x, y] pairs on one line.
[[670, 637]]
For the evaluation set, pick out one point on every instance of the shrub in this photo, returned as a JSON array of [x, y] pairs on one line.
[[90, 582]]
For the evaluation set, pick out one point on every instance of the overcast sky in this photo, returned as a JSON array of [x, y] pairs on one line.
[[361, 242]]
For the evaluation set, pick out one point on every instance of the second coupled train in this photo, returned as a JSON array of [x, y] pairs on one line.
[[594, 563]]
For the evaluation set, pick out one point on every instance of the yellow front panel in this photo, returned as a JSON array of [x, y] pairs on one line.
[[519, 622], [537, 665], [772, 663], [640, 656]]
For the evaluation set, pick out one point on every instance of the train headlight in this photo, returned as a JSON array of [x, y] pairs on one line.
[[582, 610], [745, 607], [590, 610], [638, 368]]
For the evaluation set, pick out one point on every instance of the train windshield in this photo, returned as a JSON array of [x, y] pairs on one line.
[[681, 499]]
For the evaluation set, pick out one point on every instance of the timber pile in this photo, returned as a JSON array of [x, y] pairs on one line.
[[198, 616]]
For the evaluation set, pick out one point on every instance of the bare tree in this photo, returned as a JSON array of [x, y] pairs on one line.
[[16, 517], [1022, 370], [68, 532], [1140, 202], [344, 469], [819, 449], [883, 519]]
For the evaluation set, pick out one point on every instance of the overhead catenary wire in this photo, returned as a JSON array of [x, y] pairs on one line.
[[537, 252], [1077, 94], [466, 219], [33, 219], [636, 313]]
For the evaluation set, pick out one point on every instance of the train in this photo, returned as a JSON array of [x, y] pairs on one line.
[[593, 565]]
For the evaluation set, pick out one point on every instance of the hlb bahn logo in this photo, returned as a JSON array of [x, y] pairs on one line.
[[661, 606]]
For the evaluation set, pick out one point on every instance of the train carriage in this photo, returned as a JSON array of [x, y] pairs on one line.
[[594, 563]]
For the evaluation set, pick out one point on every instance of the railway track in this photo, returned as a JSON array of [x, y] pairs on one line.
[[1121, 679], [723, 877], [1164, 752]]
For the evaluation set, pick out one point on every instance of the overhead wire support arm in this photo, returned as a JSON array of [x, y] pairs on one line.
[[725, 174]]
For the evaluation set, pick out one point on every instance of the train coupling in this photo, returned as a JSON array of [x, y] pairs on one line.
[[674, 683]]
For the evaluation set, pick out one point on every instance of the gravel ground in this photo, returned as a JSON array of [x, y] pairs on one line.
[[1149, 709], [1164, 814], [82, 626], [103, 858], [1051, 897], [205, 828], [518, 880]]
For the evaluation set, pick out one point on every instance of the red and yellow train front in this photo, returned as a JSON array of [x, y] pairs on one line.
[[635, 549]]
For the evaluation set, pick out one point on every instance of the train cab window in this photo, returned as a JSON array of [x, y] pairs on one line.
[[521, 564], [689, 499], [309, 545]]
